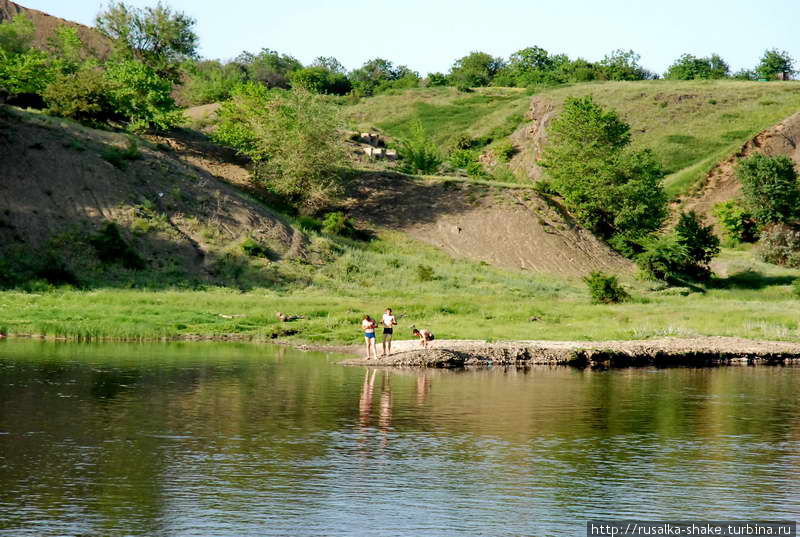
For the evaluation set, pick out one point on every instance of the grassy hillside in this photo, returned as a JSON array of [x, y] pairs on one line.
[[445, 113], [689, 125]]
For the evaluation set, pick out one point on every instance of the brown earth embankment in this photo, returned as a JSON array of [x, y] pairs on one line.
[[695, 352]]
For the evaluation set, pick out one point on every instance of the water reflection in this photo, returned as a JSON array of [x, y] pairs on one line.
[[251, 440]]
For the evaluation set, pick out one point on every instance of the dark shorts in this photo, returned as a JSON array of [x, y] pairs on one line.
[[388, 331]]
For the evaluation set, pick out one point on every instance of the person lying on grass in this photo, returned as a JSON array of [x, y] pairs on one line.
[[425, 336], [368, 325]]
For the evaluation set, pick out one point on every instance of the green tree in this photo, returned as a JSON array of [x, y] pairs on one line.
[[688, 67], [157, 36], [770, 189], [16, 35], [210, 81], [700, 242], [320, 80], [140, 97], [269, 67], [475, 69], [623, 65], [330, 63], [375, 75], [293, 137], [610, 190], [775, 63]]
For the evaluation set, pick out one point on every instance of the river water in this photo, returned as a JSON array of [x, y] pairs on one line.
[[208, 439]]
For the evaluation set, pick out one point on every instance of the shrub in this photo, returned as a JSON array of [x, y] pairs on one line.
[[663, 258], [780, 245], [770, 189], [141, 98], [335, 223], [462, 158], [605, 289], [253, 248], [309, 223], [700, 242], [425, 273], [796, 287], [737, 223], [320, 80], [419, 153], [111, 247], [504, 151], [293, 137], [83, 96], [119, 158]]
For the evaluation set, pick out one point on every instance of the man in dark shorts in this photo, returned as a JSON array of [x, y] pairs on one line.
[[388, 321]]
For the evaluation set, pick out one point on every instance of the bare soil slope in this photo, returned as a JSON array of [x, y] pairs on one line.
[[59, 186], [507, 227], [721, 183], [46, 25]]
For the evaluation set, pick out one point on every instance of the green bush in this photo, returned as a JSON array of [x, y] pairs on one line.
[[336, 223], [503, 151], [83, 96], [605, 289], [111, 247], [419, 153], [462, 158], [425, 273], [700, 242], [320, 80], [292, 136], [119, 158], [770, 189], [796, 287], [309, 223], [736, 221], [140, 97], [664, 258], [253, 248], [210, 81]]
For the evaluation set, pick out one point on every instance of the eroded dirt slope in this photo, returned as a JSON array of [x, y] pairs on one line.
[[512, 228], [58, 186]]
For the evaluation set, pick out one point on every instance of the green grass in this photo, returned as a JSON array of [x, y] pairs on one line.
[[691, 125], [445, 113], [456, 299]]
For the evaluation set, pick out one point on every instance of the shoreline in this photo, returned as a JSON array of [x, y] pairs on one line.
[[695, 352]]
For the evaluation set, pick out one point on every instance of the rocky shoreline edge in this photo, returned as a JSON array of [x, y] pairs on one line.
[[694, 352]]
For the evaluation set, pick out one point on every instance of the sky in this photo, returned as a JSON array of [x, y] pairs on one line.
[[429, 35]]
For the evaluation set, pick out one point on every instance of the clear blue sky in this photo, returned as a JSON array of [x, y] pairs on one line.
[[428, 35]]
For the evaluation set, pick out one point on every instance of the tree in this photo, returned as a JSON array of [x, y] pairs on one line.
[[374, 74], [688, 67], [269, 67], [700, 242], [140, 97], [320, 80], [610, 190], [210, 81], [774, 64], [623, 65], [330, 63], [16, 35], [293, 138], [770, 189], [157, 36], [475, 69]]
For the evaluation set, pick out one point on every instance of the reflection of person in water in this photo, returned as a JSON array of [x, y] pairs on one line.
[[365, 401], [423, 387], [385, 417]]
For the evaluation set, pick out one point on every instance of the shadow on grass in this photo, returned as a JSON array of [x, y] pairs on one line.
[[749, 279]]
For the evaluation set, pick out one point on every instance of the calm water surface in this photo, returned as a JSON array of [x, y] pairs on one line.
[[240, 440]]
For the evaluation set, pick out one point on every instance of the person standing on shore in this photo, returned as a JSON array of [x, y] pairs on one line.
[[368, 325], [389, 321]]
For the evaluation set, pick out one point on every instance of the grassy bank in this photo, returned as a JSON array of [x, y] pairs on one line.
[[456, 299]]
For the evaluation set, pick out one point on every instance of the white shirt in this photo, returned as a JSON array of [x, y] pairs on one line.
[[388, 320]]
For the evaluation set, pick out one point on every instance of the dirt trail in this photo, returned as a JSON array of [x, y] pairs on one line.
[[512, 228], [663, 352]]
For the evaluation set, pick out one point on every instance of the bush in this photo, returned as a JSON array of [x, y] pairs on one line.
[[292, 136], [425, 273], [796, 287], [320, 80], [337, 223], [663, 258], [700, 242], [111, 247], [419, 153], [780, 245], [253, 248], [462, 158], [736, 221], [770, 189], [119, 158], [504, 151], [309, 223], [605, 289], [83, 96]]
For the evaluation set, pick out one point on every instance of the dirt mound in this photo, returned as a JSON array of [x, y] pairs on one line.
[[512, 228], [530, 137], [46, 25], [721, 183], [60, 183]]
